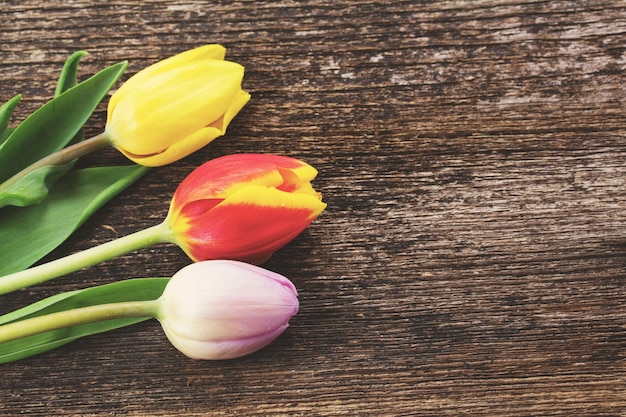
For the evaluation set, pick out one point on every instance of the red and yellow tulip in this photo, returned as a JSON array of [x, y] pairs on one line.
[[243, 207]]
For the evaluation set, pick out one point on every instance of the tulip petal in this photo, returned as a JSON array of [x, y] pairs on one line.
[[178, 150], [211, 51], [221, 350], [221, 177], [235, 107]]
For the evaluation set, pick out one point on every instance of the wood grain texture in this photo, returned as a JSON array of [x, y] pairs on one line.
[[472, 260]]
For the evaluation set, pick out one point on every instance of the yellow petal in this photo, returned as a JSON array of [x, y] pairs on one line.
[[258, 195], [178, 150], [240, 100], [211, 51]]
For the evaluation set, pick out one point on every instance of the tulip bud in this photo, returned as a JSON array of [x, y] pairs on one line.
[[176, 106], [225, 309], [243, 207]]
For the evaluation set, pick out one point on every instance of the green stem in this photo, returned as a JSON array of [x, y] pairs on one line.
[[77, 316], [44, 272], [61, 157]]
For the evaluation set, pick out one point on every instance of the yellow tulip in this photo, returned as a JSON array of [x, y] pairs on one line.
[[164, 112], [176, 106]]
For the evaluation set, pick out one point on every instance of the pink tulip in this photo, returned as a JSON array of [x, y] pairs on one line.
[[225, 309]]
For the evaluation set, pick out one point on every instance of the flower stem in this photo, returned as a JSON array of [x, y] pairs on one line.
[[77, 316], [61, 157], [45, 272]]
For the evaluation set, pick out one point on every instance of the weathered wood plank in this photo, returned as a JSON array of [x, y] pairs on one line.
[[471, 260]]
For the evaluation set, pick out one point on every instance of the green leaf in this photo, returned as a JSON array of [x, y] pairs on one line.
[[33, 188], [67, 80], [5, 134], [140, 289], [55, 123], [27, 234], [5, 116], [69, 73]]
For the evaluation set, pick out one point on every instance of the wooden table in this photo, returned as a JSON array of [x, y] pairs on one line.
[[472, 259]]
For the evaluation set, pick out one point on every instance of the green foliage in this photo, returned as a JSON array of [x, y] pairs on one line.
[[69, 73], [34, 187], [29, 233], [141, 289], [26, 235], [5, 116], [56, 123]]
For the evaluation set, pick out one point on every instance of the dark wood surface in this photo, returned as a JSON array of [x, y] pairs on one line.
[[472, 259]]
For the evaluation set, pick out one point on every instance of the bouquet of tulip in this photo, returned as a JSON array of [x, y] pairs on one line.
[[228, 215]]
